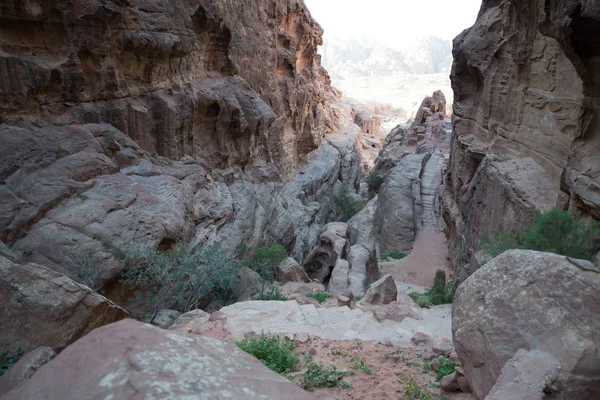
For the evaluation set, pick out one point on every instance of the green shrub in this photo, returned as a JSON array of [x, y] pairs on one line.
[[319, 296], [446, 368], [8, 359], [318, 375], [397, 255], [554, 231], [274, 295], [274, 352], [182, 278], [438, 294], [346, 206], [265, 261], [84, 269], [345, 385], [374, 181]]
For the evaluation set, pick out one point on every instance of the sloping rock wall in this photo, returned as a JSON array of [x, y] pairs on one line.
[[526, 79]]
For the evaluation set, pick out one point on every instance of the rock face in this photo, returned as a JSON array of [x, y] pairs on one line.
[[130, 359], [180, 79], [526, 118], [41, 307], [290, 271], [533, 301], [25, 368], [149, 123]]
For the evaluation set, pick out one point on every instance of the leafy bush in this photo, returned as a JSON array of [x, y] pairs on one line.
[[274, 295], [274, 352], [346, 206], [397, 255], [555, 231], [265, 261], [446, 368], [438, 294], [8, 359], [182, 278], [318, 375], [319, 296], [374, 181]]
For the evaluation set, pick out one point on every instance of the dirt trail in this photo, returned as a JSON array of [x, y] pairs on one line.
[[430, 253]]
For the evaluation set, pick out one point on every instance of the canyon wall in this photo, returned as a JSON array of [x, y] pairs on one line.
[[156, 123], [526, 81], [235, 83]]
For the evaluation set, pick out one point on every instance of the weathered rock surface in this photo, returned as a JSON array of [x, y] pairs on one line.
[[41, 307], [165, 318], [129, 359], [534, 301], [25, 368], [526, 118], [383, 291], [529, 375], [290, 271], [183, 319]]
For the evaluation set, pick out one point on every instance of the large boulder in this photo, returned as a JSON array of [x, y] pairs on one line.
[[331, 246], [25, 368], [290, 271], [129, 359], [535, 301], [41, 307], [384, 291]]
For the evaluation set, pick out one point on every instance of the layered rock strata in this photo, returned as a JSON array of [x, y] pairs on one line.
[[526, 125]]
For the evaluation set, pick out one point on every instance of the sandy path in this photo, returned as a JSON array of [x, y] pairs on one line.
[[429, 254]]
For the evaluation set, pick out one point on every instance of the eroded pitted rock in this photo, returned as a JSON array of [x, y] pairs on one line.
[[535, 301], [332, 246], [526, 132], [129, 359], [42, 307]]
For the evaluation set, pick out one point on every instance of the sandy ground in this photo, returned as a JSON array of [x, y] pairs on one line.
[[429, 254], [389, 365]]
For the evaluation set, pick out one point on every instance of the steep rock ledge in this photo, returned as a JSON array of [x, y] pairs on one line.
[[526, 124]]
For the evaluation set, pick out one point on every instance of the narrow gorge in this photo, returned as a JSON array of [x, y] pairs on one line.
[[189, 207]]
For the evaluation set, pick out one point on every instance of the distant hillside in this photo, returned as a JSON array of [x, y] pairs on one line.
[[364, 57]]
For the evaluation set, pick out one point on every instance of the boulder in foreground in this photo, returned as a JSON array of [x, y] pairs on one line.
[[534, 301], [132, 360]]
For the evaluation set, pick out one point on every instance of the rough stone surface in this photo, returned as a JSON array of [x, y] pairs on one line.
[[529, 375], [403, 307], [25, 368], [535, 301], [129, 359], [421, 338], [183, 319], [290, 271], [442, 346], [449, 383], [333, 323], [165, 318], [383, 291], [41, 307], [251, 283], [331, 247], [526, 118]]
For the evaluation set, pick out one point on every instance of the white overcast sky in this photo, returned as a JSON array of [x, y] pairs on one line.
[[394, 23]]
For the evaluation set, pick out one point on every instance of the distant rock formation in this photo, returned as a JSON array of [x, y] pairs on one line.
[[362, 57], [526, 118]]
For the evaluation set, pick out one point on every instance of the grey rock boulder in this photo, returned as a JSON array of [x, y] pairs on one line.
[[290, 271], [129, 359], [383, 291], [536, 301]]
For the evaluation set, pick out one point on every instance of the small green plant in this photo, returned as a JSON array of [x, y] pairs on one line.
[[274, 294], [345, 385], [8, 359], [413, 390], [394, 254], [554, 231], [390, 354], [265, 262], [181, 278], [346, 205], [84, 269], [384, 257], [319, 296], [438, 294], [446, 368], [318, 375], [274, 352], [374, 181], [357, 363]]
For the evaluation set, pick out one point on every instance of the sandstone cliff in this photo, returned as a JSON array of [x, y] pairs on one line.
[[235, 83], [162, 122], [526, 118]]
